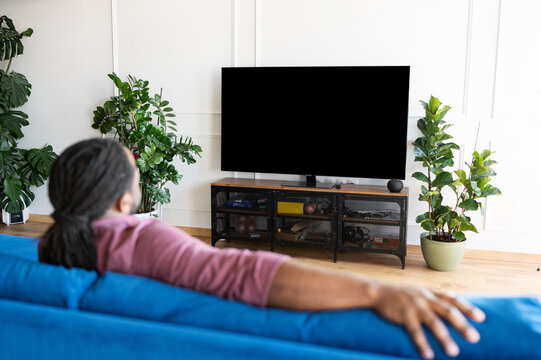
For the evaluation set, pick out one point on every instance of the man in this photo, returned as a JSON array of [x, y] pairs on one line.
[[94, 188]]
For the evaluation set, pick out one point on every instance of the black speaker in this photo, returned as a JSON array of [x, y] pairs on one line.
[[395, 186]]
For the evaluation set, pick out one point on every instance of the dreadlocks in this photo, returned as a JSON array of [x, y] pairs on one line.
[[85, 180]]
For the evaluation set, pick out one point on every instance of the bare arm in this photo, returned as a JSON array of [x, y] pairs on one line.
[[300, 286]]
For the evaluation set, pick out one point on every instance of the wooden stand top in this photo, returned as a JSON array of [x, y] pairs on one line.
[[277, 185]]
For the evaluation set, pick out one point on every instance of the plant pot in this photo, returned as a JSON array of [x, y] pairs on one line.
[[440, 255], [15, 218], [148, 215]]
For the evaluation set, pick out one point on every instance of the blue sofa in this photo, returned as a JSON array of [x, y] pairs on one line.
[[49, 312]]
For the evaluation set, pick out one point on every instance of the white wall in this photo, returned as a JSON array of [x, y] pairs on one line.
[[482, 57]]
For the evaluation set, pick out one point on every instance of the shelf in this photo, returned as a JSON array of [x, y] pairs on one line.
[[233, 235], [306, 242], [387, 250], [372, 221], [305, 216], [241, 211]]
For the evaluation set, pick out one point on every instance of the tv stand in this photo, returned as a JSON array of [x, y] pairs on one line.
[[361, 218]]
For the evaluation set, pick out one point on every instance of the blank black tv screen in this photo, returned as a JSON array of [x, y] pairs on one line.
[[338, 121]]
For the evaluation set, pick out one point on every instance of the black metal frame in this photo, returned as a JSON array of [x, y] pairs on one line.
[[228, 189], [402, 202], [336, 216], [332, 217]]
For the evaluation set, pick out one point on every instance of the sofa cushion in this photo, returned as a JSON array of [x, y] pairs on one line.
[[19, 246], [30, 281], [512, 329], [30, 331]]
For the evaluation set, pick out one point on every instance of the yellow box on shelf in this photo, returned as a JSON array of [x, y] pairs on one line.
[[290, 207]]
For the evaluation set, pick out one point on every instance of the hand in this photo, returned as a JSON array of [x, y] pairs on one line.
[[412, 307]]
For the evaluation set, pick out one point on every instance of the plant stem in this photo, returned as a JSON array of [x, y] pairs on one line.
[[9, 65], [458, 198], [132, 118], [430, 209]]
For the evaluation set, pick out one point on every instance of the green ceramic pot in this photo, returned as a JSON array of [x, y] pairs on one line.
[[442, 256]]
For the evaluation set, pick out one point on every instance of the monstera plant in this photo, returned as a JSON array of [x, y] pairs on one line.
[[144, 124], [20, 169], [447, 222]]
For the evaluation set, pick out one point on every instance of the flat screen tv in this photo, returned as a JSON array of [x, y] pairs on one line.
[[337, 121]]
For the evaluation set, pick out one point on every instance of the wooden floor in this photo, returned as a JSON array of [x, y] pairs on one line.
[[486, 272]]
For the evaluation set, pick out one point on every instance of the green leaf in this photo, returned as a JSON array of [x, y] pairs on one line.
[[440, 211], [420, 154], [459, 235], [428, 224], [12, 188], [483, 172], [467, 226], [433, 104], [441, 113], [41, 160], [469, 204], [141, 164], [442, 179], [421, 125], [485, 154], [419, 219], [14, 89], [462, 176], [473, 189], [10, 39], [11, 122], [109, 108], [490, 190], [453, 224], [420, 176], [437, 199]]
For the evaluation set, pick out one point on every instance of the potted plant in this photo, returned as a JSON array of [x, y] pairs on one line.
[[20, 169], [143, 123], [444, 242]]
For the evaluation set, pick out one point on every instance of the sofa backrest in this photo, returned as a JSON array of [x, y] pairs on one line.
[[360, 329], [30, 281]]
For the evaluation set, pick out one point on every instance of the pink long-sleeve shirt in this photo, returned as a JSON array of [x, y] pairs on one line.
[[156, 250]]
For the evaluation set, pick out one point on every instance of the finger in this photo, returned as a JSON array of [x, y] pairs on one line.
[[440, 331], [455, 317], [415, 331], [465, 307]]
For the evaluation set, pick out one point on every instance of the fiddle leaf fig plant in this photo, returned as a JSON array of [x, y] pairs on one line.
[[20, 169], [144, 124], [448, 222]]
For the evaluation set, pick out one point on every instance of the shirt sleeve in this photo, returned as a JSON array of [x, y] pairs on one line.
[[168, 254]]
